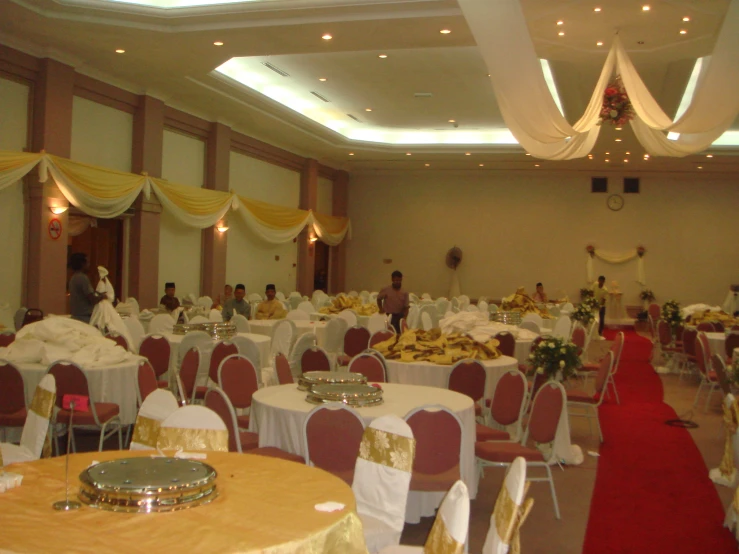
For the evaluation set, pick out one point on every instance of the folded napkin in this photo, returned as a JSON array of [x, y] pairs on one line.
[[191, 455], [329, 507], [10, 481]]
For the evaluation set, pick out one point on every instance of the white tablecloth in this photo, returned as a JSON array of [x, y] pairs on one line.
[[717, 344], [434, 375], [362, 320], [278, 415], [266, 327], [523, 349], [116, 383]]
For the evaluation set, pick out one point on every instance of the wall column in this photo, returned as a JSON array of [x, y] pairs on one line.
[[306, 250], [340, 199], [217, 172], [46, 257], [148, 143]]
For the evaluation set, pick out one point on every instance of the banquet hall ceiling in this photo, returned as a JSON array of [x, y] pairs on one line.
[[169, 54]]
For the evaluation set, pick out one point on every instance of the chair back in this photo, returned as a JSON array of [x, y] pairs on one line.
[[32, 315], [156, 349], [380, 336], [356, 340], [305, 342], [12, 390], [718, 327], [377, 322], [509, 510], [6, 338], [507, 343], [731, 343], [282, 367], [36, 426], [530, 326], [18, 317], [509, 398], [146, 381], [617, 348], [199, 319], [349, 316], [120, 340], [468, 377], [189, 373], [283, 335], [69, 380], [315, 359], [306, 307], [201, 339], [135, 331], [654, 311], [433, 425], [194, 429], [222, 350], [604, 369], [331, 435], [215, 316], [443, 305], [382, 474], [161, 323], [689, 337], [706, 327], [237, 377], [562, 327], [242, 324], [718, 365], [155, 408], [546, 412], [452, 522], [578, 337], [369, 366], [536, 318], [297, 315], [664, 333], [336, 330], [217, 400], [700, 358]]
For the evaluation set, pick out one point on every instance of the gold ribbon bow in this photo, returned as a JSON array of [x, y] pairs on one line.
[[388, 449]]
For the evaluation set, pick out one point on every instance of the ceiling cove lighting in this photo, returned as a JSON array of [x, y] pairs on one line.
[[645, 8]]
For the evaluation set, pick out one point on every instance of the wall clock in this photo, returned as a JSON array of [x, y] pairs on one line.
[[615, 202]]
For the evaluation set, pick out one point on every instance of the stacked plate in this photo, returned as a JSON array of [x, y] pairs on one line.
[[353, 395], [311, 379], [509, 318]]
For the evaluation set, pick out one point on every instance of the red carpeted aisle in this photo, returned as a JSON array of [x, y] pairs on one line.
[[652, 492]]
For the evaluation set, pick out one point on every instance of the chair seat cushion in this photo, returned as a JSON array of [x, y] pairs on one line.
[[506, 452], [200, 391], [274, 452], [16, 419], [242, 421], [485, 433], [579, 395], [589, 366], [163, 384], [249, 441], [434, 482], [105, 410], [712, 376]]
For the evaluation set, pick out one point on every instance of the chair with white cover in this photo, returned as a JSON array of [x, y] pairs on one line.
[[135, 331], [241, 323], [255, 297], [426, 322], [562, 327], [297, 315], [294, 301], [448, 534], [331, 437], [492, 308], [161, 323], [377, 322], [35, 428], [20, 315], [442, 306], [199, 319], [157, 407], [283, 336], [305, 342], [536, 318], [585, 404], [364, 296], [510, 511], [566, 308], [280, 295], [414, 317], [193, 429], [336, 330], [135, 309], [205, 302], [215, 316], [471, 308], [382, 477], [306, 307], [531, 326], [482, 305], [464, 301], [350, 316]]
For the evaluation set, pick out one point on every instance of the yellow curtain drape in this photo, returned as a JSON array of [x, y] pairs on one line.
[[276, 217], [15, 165]]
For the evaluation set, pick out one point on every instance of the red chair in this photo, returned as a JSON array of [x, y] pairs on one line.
[[719, 367], [546, 412], [70, 379], [156, 349], [188, 376], [438, 434], [238, 441], [507, 344], [708, 376], [282, 366], [525, 368], [6, 338], [369, 366], [690, 335], [237, 377], [718, 327], [32, 316], [706, 327], [731, 343], [654, 311], [222, 350], [356, 340], [12, 396], [589, 404], [146, 381], [315, 359], [468, 377], [507, 407], [120, 340], [380, 336], [331, 438], [616, 348], [403, 325], [578, 338]]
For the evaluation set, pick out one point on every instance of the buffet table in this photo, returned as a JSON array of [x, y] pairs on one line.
[[278, 414], [264, 505]]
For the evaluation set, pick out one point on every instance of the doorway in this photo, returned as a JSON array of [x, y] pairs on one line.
[[320, 270]]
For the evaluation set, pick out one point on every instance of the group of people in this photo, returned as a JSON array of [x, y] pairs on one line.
[[233, 302]]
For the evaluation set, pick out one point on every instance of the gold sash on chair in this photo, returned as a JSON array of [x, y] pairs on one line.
[[388, 449], [509, 517], [192, 440], [731, 419], [440, 541], [42, 405], [146, 431]]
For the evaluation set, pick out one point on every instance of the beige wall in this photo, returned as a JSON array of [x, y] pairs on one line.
[[250, 260], [180, 246], [101, 135], [13, 136], [324, 204], [516, 229]]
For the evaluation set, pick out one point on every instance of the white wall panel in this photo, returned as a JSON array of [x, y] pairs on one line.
[[101, 135]]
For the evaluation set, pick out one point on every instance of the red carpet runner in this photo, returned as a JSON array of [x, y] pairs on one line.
[[652, 492]]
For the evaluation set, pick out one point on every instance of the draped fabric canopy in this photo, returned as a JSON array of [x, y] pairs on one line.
[[106, 193], [618, 258], [533, 118]]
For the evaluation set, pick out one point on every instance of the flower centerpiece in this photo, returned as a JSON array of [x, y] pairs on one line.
[[671, 314], [584, 312], [617, 108], [586, 292], [555, 358], [647, 295]]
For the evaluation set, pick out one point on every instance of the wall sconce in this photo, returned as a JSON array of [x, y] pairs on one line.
[[58, 210], [222, 227]]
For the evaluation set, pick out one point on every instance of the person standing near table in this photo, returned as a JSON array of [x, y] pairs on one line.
[[82, 297], [236, 305], [600, 292], [394, 301], [270, 308], [540, 296], [169, 300]]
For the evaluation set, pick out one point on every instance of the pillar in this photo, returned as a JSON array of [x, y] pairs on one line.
[[213, 267], [340, 199], [306, 250], [146, 156], [51, 129]]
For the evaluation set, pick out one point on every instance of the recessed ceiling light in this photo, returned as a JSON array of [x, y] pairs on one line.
[[561, 33], [445, 31], [619, 128], [560, 22], [218, 43], [709, 155], [468, 153], [700, 167], [628, 153], [351, 153], [327, 37], [488, 74], [626, 161], [645, 8], [452, 121], [618, 140], [528, 154], [683, 32], [608, 153], [427, 165], [408, 154], [383, 56], [537, 165], [368, 109], [120, 51], [482, 165], [599, 43], [686, 18], [322, 79], [596, 9], [607, 160]]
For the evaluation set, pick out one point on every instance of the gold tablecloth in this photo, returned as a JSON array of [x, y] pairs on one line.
[[265, 505]]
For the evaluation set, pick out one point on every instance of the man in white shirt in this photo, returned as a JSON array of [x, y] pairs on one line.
[[600, 293]]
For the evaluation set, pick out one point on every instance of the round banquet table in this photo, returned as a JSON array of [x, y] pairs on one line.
[[278, 414], [362, 320], [114, 383], [265, 505], [435, 375], [716, 342], [523, 349], [266, 327]]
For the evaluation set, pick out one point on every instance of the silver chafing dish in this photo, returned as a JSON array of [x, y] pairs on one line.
[[509, 318], [353, 395], [216, 330], [311, 379], [148, 485]]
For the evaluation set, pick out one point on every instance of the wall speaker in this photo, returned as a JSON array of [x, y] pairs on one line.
[[631, 185], [599, 184]]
